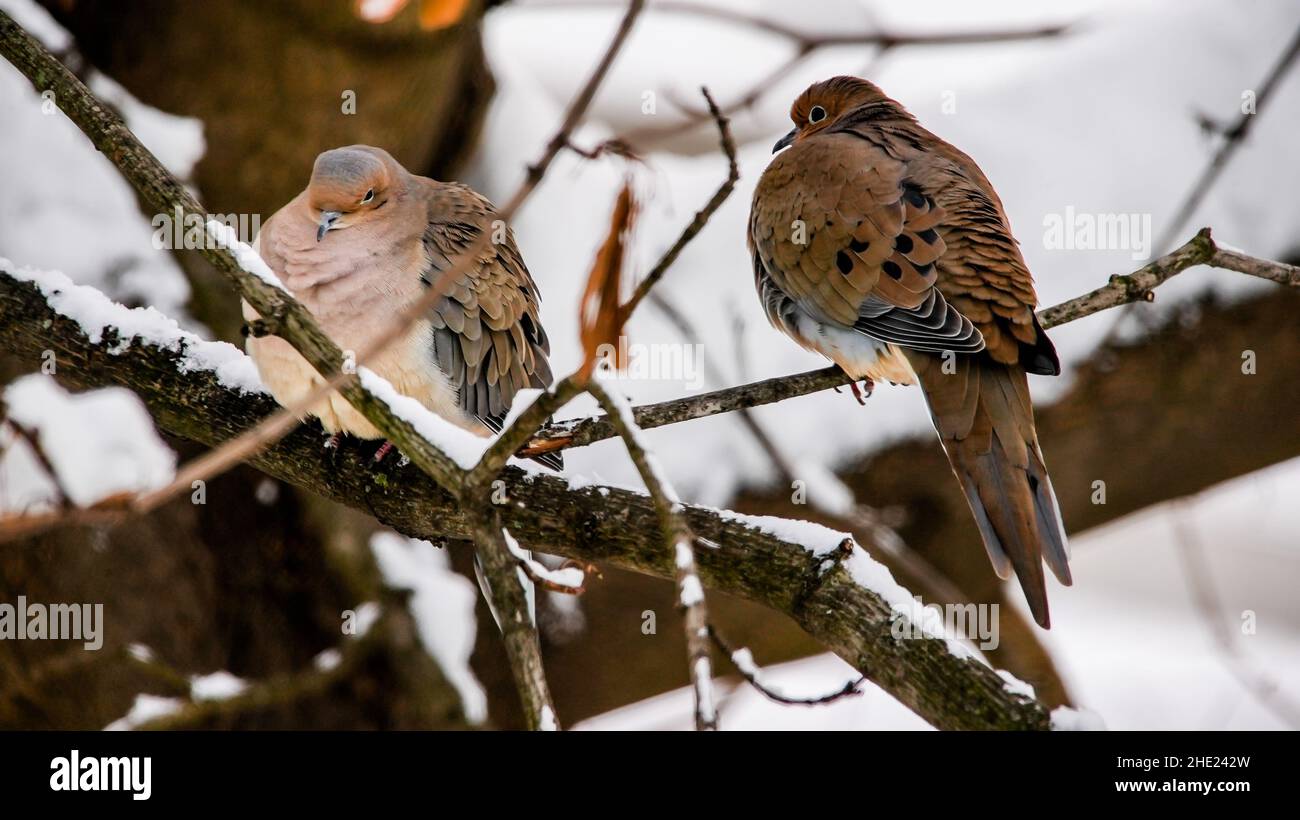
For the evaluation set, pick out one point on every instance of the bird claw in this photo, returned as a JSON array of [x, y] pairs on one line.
[[863, 393], [383, 451]]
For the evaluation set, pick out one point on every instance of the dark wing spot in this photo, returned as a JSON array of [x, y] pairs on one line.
[[858, 246], [903, 243], [844, 263], [894, 271], [929, 236], [913, 195]]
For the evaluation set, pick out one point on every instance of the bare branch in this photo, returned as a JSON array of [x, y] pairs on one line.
[[680, 543], [577, 109], [281, 313], [165, 194], [1232, 139], [804, 39], [702, 217], [805, 44], [809, 579], [519, 433], [1121, 289], [744, 662], [1139, 285], [509, 599]]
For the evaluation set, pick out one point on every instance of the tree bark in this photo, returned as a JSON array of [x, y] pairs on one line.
[[594, 524]]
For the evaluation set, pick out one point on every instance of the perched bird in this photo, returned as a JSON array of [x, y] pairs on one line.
[[359, 246], [886, 249]]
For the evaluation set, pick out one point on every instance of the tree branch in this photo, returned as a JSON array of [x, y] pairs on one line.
[[817, 577], [278, 310], [165, 194], [505, 590], [702, 216], [1121, 289], [678, 541], [804, 45]]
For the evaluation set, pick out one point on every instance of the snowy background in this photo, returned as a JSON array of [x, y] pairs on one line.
[[1101, 120]]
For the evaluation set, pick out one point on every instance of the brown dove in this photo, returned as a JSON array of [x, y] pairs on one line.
[[886, 249], [360, 245]]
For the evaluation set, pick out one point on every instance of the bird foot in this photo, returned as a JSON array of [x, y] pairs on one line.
[[863, 393], [332, 441], [383, 451]]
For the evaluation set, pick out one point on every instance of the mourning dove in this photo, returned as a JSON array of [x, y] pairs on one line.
[[359, 246], [886, 249]]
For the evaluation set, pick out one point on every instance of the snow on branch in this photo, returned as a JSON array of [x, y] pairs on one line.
[[680, 542], [815, 575]]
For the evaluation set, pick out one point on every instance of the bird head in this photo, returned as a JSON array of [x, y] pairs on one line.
[[349, 185], [828, 102]]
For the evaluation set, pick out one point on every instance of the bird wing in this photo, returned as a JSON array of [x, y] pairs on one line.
[[839, 227], [488, 338]]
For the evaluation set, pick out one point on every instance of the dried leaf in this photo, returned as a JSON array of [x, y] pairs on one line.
[[601, 313], [439, 14]]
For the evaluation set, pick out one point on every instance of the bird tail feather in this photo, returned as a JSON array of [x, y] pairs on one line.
[[984, 418]]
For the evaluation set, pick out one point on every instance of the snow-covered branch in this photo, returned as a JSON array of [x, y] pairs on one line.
[[680, 542], [817, 576]]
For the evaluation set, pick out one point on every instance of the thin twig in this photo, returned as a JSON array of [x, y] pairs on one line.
[[577, 109], [1139, 285], [163, 192], [878, 38], [515, 436], [1232, 140], [680, 541], [804, 44], [510, 603], [744, 663], [1121, 289], [33, 440], [701, 217], [293, 322]]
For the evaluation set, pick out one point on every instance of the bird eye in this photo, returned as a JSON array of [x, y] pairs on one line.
[[369, 196], [817, 114]]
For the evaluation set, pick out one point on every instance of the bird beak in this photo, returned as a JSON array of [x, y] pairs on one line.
[[327, 223], [785, 141]]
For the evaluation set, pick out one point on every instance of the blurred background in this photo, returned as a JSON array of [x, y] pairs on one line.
[[1183, 613]]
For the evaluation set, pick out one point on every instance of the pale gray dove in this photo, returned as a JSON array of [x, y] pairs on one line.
[[886, 249], [361, 244]]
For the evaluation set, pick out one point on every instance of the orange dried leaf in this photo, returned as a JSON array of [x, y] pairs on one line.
[[434, 14], [439, 14], [601, 313]]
